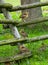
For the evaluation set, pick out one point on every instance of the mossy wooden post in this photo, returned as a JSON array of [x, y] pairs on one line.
[[33, 13]]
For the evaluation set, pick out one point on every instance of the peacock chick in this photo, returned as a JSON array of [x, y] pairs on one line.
[[24, 15], [23, 49], [23, 33]]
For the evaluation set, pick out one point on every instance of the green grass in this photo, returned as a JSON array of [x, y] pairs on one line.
[[39, 57]]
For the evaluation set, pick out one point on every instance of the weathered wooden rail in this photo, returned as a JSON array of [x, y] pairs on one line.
[[5, 8], [5, 5], [34, 21], [17, 57], [15, 41], [23, 7]]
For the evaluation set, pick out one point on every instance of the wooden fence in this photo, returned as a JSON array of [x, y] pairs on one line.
[[5, 8]]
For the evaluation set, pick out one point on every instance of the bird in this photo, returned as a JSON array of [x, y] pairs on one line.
[[5, 26], [24, 15], [23, 49], [23, 33]]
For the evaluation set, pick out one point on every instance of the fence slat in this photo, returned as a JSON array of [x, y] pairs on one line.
[[6, 5], [14, 41], [17, 57], [28, 6], [8, 21], [34, 21]]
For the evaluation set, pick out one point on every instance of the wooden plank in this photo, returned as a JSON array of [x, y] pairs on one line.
[[5, 5], [34, 21], [14, 41], [8, 21], [28, 6], [17, 57]]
